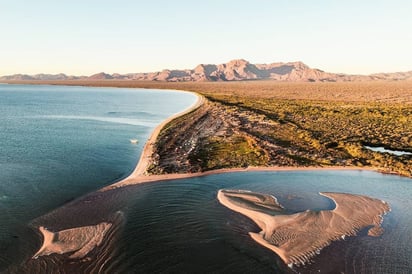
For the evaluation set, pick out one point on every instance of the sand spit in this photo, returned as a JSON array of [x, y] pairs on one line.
[[138, 178], [139, 174], [298, 237], [80, 240]]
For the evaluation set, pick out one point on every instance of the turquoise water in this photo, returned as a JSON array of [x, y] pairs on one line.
[[58, 143], [76, 145]]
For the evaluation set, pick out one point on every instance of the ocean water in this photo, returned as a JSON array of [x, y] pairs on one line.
[[179, 226], [58, 143]]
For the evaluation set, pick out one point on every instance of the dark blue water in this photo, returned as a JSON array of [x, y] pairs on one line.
[[58, 143], [180, 227]]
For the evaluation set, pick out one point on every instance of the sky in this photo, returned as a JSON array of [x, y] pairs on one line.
[[83, 37]]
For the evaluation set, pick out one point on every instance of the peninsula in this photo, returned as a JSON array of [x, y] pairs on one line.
[[306, 118]]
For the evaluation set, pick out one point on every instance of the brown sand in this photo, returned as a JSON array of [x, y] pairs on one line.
[[298, 237], [80, 240]]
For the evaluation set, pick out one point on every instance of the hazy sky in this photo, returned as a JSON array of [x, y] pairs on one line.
[[89, 36]]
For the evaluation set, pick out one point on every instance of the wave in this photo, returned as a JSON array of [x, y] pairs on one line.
[[132, 113], [116, 120]]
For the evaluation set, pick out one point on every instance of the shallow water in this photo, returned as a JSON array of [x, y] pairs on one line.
[[185, 226], [58, 143], [390, 151], [180, 227]]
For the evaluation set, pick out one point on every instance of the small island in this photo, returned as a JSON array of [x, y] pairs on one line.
[[299, 237]]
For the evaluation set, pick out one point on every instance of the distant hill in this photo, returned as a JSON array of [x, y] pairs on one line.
[[46, 77], [101, 76], [235, 70]]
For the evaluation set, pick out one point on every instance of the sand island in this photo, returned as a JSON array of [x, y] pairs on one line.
[[298, 237], [79, 240]]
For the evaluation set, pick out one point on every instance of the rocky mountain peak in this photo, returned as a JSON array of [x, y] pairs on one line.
[[234, 70], [237, 63], [101, 76]]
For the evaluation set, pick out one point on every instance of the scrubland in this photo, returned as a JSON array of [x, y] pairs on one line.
[[268, 123]]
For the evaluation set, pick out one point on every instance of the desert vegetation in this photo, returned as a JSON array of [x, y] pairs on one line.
[[295, 124], [267, 123]]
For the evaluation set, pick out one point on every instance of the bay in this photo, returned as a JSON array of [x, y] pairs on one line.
[[58, 143]]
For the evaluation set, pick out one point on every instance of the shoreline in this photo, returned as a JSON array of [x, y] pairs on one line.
[[148, 148], [139, 174], [199, 89], [140, 179]]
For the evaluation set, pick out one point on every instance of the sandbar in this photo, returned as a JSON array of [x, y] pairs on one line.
[[298, 237], [80, 240]]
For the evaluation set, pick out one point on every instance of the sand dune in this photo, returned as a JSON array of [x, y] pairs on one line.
[[298, 237]]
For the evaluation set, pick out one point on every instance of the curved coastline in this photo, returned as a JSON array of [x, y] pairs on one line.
[[139, 174], [148, 148]]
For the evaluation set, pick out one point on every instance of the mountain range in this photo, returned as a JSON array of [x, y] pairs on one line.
[[235, 70]]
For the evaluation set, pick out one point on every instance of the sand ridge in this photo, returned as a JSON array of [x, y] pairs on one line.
[[298, 237]]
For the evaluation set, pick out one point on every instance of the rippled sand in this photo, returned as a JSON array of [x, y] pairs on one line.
[[298, 237], [80, 240]]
